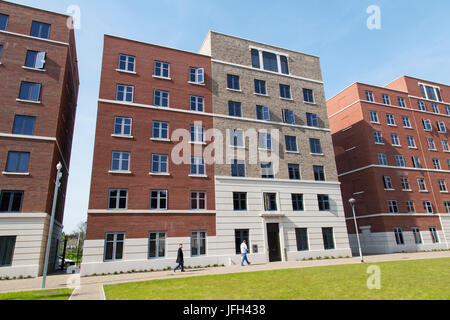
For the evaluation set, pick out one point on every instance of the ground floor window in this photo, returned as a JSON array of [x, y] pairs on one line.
[[302, 239], [156, 245], [328, 239], [434, 235], [198, 243], [240, 236], [114, 246], [417, 235], [7, 245], [297, 202], [399, 236]]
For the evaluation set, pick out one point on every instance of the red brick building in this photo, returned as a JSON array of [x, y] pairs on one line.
[[39, 90], [393, 157], [142, 203]]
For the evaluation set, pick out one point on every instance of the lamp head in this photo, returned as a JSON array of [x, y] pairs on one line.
[[352, 201], [59, 166]]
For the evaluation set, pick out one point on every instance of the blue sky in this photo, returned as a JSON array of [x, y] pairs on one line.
[[413, 40]]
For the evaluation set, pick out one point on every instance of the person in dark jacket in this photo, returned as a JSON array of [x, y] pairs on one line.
[[180, 259]]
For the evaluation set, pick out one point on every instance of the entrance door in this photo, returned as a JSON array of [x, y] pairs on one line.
[[273, 238]]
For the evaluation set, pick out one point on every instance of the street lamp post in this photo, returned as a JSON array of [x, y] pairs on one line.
[[352, 203], [52, 221]]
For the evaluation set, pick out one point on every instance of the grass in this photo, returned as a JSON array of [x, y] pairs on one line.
[[57, 294], [400, 280]]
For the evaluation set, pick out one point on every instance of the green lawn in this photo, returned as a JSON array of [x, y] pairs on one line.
[[59, 294], [417, 279]]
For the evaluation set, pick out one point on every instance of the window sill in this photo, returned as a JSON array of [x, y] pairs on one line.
[[375, 123], [197, 83], [160, 174], [316, 154], [379, 143], [287, 99], [263, 149], [448, 151], [410, 128], [198, 143], [261, 95], [15, 173], [434, 150], [412, 147], [122, 136], [162, 78], [443, 191], [119, 172], [423, 191], [238, 147], [34, 69], [389, 189], [126, 71], [397, 145], [28, 101], [311, 103], [293, 152], [392, 125], [198, 176], [234, 90], [160, 140]]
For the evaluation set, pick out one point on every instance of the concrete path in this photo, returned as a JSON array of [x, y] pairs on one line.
[[91, 288]]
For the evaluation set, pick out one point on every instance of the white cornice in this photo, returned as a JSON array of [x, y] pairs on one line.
[[286, 181], [150, 211], [392, 167], [33, 38], [428, 215]]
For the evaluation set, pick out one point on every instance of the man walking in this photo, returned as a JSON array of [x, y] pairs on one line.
[[244, 251], [180, 259]]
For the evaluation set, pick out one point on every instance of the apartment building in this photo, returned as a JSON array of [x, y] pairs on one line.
[[258, 165], [392, 155], [38, 101]]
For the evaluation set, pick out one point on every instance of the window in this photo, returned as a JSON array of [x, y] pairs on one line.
[[233, 82], [431, 92], [7, 245], [435, 108], [315, 146], [156, 245], [114, 246], [434, 235], [120, 161], [291, 144], [312, 120], [436, 164], [117, 199], [255, 59], [390, 119], [270, 61], [196, 75], [1, 50], [421, 184], [297, 202], [400, 160], [301, 235], [234, 109], [267, 170], [11, 201], [198, 243], [308, 95], [239, 201], [23, 125], [122, 126], [447, 110], [198, 200], [411, 142], [237, 138], [422, 106], [428, 206], [410, 206], [288, 116], [40, 30], [263, 113], [265, 141], [270, 202], [158, 199], [328, 238], [405, 184], [382, 160], [416, 162], [401, 102], [285, 91], [17, 162], [240, 236], [124, 93], [378, 137], [442, 185], [386, 99], [445, 145], [324, 202], [3, 21], [160, 130], [393, 207], [30, 91], [294, 171], [441, 127], [35, 59], [431, 145], [197, 134], [369, 96], [238, 168], [260, 87], [406, 122], [162, 69], [161, 98], [395, 140], [387, 183], [160, 163], [319, 173], [197, 103], [373, 117], [126, 63], [399, 236], [284, 65], [197, 166], [447, 206]]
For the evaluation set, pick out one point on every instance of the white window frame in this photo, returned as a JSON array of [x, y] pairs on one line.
[[410, 206], [374, 117], [122, 126], [390, 119], [386, 99], [428, 206], [159, 198], [422, 185], [161, 92], [127, 63], [442, 186], [197, 198], [392, 204], [395, 140], [121, 161], [163, 66], [382, 159], [405, 184]]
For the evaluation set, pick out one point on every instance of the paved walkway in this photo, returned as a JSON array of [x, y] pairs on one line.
[[91, 288]]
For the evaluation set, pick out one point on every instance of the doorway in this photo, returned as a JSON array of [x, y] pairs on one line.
[[273, 239]]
